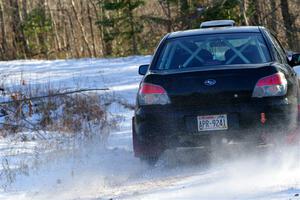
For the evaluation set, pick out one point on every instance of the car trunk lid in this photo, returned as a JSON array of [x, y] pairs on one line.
[[204, 88]]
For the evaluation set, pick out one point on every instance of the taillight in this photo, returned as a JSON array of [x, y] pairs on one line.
[[274, 85], [150, 94]]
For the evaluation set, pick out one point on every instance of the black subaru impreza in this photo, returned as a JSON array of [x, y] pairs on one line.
[[219, 81]]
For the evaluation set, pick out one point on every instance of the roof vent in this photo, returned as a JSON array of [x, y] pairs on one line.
[[217, 23]]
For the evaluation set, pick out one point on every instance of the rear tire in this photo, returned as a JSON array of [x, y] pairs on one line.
[[147, 152]]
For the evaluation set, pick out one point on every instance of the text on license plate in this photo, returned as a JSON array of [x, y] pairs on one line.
[[212, 122]]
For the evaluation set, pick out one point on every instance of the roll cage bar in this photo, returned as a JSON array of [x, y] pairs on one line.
[[238, 53]]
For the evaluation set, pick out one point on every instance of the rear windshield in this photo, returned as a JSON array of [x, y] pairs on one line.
[[213, 50]]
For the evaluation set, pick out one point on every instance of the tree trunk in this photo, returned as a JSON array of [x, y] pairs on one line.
[[56, 34], [106, 44], [91, 29], [244, 7], [256, 16], [81, 27], [288, 24], [74, 42], [166, 7], [23, 17], [184, 15], [99, 27], [64, 34], [19, 42], [3, 46], [273, 15], [24, 9], [133, 32], [43, 37]]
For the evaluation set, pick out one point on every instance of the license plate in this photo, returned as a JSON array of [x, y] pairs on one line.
[[212, 122]]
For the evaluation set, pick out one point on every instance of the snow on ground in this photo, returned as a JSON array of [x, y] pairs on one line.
[[120, 75], [95, 172]]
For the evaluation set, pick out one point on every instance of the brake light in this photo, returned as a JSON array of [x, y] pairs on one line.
[[150, 94], [274, 85]]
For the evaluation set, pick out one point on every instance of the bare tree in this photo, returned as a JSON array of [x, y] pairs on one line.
[[244, 6], [91, 29], [64, 34], [76, 26], [256, 15], [273, 14], [98, 18], [72, 34], [19, 42], [82, 29], [3, 47], [288, 22], [166, 8], [53, 20]]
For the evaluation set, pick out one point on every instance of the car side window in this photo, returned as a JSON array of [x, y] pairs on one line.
[[277, 55], [273, 47], [279, 48]]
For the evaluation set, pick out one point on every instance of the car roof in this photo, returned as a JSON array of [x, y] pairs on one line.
[[219, 30]]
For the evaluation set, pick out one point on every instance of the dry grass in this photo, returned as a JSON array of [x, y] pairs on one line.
[[83, 112]]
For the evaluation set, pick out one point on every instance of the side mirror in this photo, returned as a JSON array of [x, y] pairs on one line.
[[295, 60], [143, 69]]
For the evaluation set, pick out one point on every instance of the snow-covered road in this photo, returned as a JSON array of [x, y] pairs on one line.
[[95, 172]]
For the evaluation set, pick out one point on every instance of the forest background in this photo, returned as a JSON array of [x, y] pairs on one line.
[[58, 29]]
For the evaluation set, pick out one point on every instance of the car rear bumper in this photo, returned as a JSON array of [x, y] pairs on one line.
[[163, 127]]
